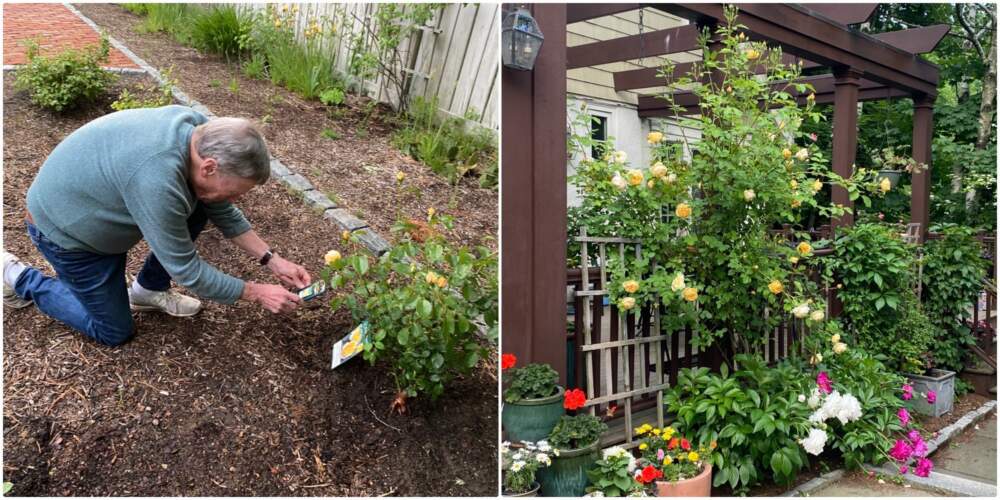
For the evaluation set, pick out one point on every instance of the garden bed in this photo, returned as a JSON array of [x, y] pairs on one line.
[[235, 401], [356, 170]]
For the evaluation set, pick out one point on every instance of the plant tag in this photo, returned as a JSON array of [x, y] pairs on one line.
[[349, 346]]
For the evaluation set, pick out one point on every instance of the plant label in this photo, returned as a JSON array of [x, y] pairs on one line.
[[349, 346]]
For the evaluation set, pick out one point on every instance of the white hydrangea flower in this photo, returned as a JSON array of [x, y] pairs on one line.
[[815, 442]]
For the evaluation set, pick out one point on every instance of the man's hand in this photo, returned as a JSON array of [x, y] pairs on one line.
[[274, 298], [290, 274]]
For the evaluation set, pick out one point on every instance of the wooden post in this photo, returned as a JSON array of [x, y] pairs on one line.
[[923, 131], [845, 135], [533, 183]]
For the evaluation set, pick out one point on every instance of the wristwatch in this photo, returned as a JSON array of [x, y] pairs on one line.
[[266, 258]]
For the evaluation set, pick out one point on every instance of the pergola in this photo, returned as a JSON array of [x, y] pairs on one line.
[[852, 66]]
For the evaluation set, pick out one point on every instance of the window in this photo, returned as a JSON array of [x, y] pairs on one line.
[[598, 132]]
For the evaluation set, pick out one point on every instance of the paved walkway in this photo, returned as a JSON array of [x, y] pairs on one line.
[[55, 27], [973, 455]]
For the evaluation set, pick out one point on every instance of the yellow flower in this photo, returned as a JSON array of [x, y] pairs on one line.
[[431, 211], [619, 182], [786, 153], [400, 176], [331, 257], [818, 315], [811, 96], [631, 286], [654, 137], [690, 294], [817, 185], [885, 185], [752, 54], [670, 178], [795, 184], [835, 338], [683, 210], [693, 456], [651, 184], [678, 283], [619, 157], [634, 177], [431, 277], [749, 195], [658, 170], [441, 282], [802, 155], [793, 259], [776, 287], [839, 347], [816, 358], [346, 235], [626, 303], [667, 460], [640, 430], [656, 432], [643, 446], [804, 248], [277, 23]]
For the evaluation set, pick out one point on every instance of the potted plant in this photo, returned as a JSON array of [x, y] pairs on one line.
[[577, 441], [520, 466], [533, 400], [669, 460], [891, 166], [934, 390], [612, 475]]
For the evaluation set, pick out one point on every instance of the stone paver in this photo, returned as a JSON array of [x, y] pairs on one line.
[[55, 27], [972, 455]]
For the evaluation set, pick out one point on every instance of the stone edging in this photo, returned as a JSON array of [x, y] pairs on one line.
[[937, 481], [294, 181]]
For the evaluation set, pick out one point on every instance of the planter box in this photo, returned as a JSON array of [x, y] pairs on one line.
[[532, 419], [941, 382]]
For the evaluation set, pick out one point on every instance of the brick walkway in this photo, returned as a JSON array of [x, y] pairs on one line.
[[55, 27]]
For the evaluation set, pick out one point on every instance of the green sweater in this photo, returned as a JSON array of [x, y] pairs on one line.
[[124, 177]]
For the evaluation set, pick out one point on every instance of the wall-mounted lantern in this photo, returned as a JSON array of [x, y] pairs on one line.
[[521, 40]]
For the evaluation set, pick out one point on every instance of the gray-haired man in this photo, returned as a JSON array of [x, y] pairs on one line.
[[159, 174]]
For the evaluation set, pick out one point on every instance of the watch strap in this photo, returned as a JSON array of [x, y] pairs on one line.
[[266, 257]]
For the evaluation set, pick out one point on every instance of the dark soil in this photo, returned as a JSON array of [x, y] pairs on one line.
[[358, 170], [235, 401]]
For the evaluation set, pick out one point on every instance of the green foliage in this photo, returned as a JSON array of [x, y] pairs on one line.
[[881, 311], [139, 9], [172, 18], [577, 431], [611, 475], [952, 279], [424, 304], [445, 146], [754, 416], [219, 29], [256, 66], [531, 381], [164, 95], [519, 466], [331, 134], [66, 80], [304, 67], [333, 96]]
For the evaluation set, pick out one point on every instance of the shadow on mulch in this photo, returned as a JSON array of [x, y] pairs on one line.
[[235, 401]]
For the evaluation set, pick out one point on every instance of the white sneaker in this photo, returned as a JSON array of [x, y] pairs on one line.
[[11, 299], [169, 302]]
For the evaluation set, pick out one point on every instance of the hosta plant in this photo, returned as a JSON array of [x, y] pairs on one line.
[[425, 304]]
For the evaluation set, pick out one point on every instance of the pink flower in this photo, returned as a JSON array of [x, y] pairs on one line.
[[913, 436], [903, 469], [813, 136], [904, 417], [920, 448], [881, 216], [659, 454], [924, 467], [907, 392], [931, 397], [901, 451], [823, 381]]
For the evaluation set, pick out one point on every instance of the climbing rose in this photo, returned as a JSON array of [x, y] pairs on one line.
[[634, 177], [931, 397], [683, 210], [839, 347], [924, 467], [885, 185], [802, 155], [901, 451], [775, 287], [626, 303], [630, 286], [507, 361], [823, 381], [749, 195], [801, 311], [654, 137], [786, 153], [804, 248], [904, 417], [690, 294], [678, 282], [574, 399], [907, 392], [619, 157], [658, 170]]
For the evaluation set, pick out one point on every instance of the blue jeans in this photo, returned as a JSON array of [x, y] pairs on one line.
[[90, 294]]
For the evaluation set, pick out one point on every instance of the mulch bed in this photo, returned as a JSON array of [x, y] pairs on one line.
[[356, 171], [235, 401], [962, 405]]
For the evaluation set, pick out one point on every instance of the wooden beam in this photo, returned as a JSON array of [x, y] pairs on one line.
[[625, 48], [823, 41], [648, 77], [844, 13], [577, 12], [845, 137], [923, 133], [916, 40]]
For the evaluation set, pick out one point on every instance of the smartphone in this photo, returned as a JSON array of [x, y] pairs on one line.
[[312, 291]]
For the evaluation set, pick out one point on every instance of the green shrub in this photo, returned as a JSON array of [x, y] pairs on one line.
[[305, 68], [256, 66], [219, 29], [164, 97], [66, 80], [332, 96], [575, 432], [531, 381], [952, 279]]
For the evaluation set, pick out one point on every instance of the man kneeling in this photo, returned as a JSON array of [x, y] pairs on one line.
[[159, 174]]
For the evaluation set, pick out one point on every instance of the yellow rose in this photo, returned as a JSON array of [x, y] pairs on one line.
[[749, 195], [678, 283], [619, 157], [690, 294], [818, 316], [651, 184], [776, 287], [786, 153], [793, 259], [693, 456], [802, 155], [835, 338], [885, 185], [631, 286], [431, 277], [670, 178], [277, 23], [795, 184], [839, 347], [626, 303], [400, 176], [634, 177], [331, 257], [346, 235], [752, 54], [643, 446], [683, 210], [441, 282], [804, 248], [817, 186], [654, 137], [619, 182], [658, 170]]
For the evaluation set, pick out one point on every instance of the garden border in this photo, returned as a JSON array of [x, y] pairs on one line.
[[311, 196]]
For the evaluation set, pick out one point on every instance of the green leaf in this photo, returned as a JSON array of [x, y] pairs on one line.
[[424, 308]]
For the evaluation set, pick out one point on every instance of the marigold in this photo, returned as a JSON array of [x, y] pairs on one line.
[[776, 287], [690, 294], [331, 257], [635, 177], [804, 248], [643, 446], [630, 286], [683, 210]]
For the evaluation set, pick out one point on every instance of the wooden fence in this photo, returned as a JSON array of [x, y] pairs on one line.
[[453, 58]]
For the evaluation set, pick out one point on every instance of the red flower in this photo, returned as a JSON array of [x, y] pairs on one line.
[[574, 399], [649, 474], [507, 361], [673, 443], [685, 444]]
